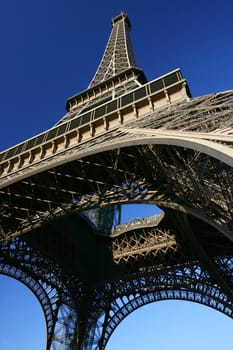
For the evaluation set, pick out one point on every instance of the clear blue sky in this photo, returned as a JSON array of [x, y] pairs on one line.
[[50, 50]]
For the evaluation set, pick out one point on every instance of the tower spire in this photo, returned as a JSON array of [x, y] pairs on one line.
[[118, 55], [117, 72]]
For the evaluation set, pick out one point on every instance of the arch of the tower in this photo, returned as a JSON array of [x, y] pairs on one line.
[[189, 281], [60, 318], [190, 181], [193, 174], [219, 151], [39, 292], [123, 307], [122, 141], [181, 163], [196, 280], [102, 331], [206, 167]]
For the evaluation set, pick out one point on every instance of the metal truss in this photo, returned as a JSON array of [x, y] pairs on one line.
[[118, 55], [142, 172], [148, 279], [154, 145], [120, 308], [155, 263], [18, 260]]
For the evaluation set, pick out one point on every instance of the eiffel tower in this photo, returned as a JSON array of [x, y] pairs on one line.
[[123, 141]]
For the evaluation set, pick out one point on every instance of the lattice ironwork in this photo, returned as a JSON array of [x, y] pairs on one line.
[[153, 145], [139, 245], [118, 55]]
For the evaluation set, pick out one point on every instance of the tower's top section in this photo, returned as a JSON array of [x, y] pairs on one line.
[[118, 55], [121, 17], [117, 72]]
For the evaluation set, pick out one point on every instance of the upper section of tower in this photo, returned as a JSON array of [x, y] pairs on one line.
[[118, 55], [117, 73]]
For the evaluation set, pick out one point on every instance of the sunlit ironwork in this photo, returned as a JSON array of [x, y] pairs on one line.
[[122, 141]]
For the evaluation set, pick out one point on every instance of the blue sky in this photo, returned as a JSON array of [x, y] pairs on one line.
[[50, 50]]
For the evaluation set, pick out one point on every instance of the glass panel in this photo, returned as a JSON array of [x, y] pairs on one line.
[[112, 106], [140, 93], [179, 75], [156, 85], [127, 99], [170, 79], [99, 112], [62, 129], [3, 156], [19, 148], [85, 118], [39, 140], [30, 143], [75, 123], [51, 134], [11, 152]]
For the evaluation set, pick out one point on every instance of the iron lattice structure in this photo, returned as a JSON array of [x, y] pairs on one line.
[[123, 140]]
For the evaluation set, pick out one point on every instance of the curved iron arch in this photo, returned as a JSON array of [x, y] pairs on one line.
[[146, 299], [49, 308], [196, 287], [216, 150], [202, 293], [60, 327], [157, 202]]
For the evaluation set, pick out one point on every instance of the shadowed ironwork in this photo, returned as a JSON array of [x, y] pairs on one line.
[[122, 141]]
